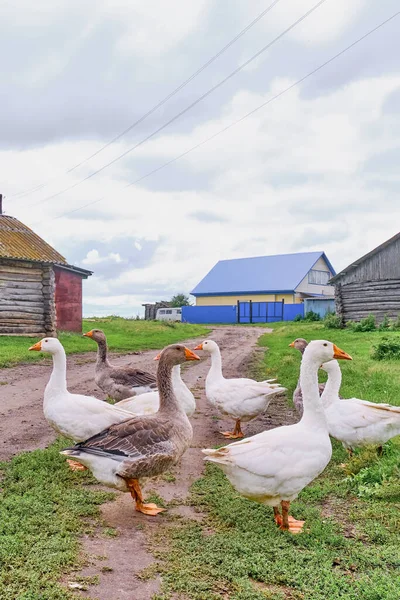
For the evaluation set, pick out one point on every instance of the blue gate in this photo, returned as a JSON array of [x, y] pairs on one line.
[[260, 312]]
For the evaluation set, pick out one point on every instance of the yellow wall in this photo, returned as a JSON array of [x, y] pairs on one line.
[[230, 300]]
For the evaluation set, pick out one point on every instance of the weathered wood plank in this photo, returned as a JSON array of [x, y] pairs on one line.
[[6, 312], [27, 329], [20, 276], [21, 270], [4, 302], [20, 285], [21, 297]]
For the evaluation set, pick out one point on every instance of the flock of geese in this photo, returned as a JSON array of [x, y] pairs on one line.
[[147, 431]]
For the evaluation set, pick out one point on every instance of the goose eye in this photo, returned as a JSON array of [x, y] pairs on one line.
[[325, 344]]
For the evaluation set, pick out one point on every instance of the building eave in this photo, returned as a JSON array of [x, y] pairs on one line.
[[241, 293], [84, 273], [360, 260]]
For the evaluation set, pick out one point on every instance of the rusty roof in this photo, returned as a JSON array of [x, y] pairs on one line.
[[20, 242]]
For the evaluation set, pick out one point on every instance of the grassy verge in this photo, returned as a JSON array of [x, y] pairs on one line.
[[351, 547], [123, 335], [44, 507]]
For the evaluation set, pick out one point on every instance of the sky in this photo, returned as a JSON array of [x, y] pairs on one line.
[[314, 169]]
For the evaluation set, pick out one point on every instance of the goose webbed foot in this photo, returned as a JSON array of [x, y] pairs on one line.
[[290, 523], [75, 465], [236, 434], [136, 493]]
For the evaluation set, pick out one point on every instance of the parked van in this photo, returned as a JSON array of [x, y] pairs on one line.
[[169, 314]]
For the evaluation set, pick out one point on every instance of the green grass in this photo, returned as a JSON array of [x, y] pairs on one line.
[[363, 377], [44, 508], [351, 546], [123, 335]]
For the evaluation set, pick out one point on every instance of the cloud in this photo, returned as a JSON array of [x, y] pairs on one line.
[[93, 258], [207, 217]]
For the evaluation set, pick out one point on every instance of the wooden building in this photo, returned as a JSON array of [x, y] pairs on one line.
[[150, 310], [370, 285], [39, 291]]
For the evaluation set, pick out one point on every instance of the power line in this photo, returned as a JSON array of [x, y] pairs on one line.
[[252, 112], [156, 106], [185, 110]]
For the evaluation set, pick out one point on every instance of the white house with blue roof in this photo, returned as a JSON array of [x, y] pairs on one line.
[[287, 277]]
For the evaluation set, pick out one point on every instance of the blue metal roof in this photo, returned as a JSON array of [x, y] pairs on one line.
[[260, 274]]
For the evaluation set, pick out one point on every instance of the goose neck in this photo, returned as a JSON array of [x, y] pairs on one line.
[[168, 400], [102, 353], [313, 411], [216, 364], [176, 377], [332, 386], [58, 378]]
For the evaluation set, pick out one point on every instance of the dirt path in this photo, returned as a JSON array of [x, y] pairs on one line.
[[118, 560]]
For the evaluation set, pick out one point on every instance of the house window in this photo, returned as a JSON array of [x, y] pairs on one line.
[[318, 277]]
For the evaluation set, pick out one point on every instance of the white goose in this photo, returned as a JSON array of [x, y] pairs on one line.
[[149, 403], [273, 467], [241, 399], [73, 415], [356, 422]]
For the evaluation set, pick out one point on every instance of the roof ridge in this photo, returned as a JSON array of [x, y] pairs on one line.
[[320, 252]]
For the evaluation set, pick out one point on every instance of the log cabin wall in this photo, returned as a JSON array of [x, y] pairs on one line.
[[26, 298], [371, 287]]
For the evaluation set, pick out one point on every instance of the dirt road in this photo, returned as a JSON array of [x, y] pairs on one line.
[[23, 428]]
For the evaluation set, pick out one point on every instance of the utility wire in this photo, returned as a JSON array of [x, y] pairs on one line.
[[185, 110], [252, 112], [156, 106]]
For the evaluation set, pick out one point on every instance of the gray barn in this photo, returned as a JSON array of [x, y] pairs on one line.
[[370, 285]]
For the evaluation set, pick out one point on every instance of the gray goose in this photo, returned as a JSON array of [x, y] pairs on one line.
[[144, 446], [118, 382]]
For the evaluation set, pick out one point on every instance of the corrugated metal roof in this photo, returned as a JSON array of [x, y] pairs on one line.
[[18, 241], [261, 274]]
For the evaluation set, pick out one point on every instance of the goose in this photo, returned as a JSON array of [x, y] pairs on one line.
[[356, 422], [74, 415], [118, 382], [241, 399], [273, 467], [301, 344], [149, 403], [143, 446]]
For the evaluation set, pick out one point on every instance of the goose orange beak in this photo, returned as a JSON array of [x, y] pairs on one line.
[[37, 347], [338, 353], [191, 355], [291, 345], [157, 357], [199, 347], [88, 334]]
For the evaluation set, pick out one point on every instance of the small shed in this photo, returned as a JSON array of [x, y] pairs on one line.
[[150, 310], [370, 285], [39, 291]]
